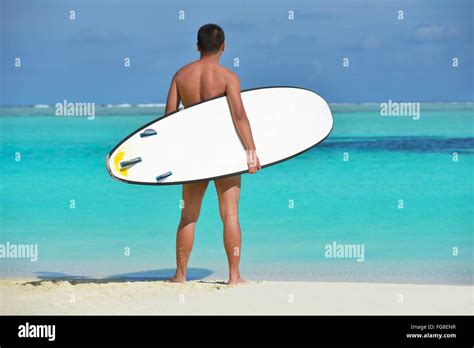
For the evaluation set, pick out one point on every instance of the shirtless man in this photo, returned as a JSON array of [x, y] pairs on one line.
[[197, 81]]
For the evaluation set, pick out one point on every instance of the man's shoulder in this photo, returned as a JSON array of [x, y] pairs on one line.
[[229, 74], [185, 69]]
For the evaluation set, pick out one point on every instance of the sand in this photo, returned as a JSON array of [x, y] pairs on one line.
[[108, 297]]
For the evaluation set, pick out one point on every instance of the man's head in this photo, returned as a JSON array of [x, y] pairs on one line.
[[210, 39]]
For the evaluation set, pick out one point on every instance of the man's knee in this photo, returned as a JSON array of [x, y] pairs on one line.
[[187, 219], [229, 216]]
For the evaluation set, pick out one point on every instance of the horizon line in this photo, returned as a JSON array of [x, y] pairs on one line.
[[162, 105]]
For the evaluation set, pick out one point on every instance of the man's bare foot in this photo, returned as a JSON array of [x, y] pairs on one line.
[[237, 281], [177, 279]]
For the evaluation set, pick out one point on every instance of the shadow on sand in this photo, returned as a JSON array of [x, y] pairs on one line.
[[144, 276]]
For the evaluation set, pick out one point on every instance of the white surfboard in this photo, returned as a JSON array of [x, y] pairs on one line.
[[201, 143]]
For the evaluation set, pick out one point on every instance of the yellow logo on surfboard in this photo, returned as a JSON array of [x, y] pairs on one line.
[[117, 159]]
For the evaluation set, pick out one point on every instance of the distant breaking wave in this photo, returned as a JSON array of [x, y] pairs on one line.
[[151, 105], [425, 106], [124, 105], [145, 105]]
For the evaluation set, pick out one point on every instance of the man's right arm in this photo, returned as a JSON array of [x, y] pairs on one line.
[[241, 122]]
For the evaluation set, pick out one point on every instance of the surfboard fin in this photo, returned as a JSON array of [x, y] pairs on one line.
[[129, 163], [163, 176], [148, 132]]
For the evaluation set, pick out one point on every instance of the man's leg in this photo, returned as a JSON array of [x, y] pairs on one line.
[[228, 192], [192, 198]]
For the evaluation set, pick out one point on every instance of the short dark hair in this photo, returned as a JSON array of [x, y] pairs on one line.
[[210, 38]]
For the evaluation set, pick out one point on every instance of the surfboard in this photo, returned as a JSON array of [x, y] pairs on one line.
[[200, 142]]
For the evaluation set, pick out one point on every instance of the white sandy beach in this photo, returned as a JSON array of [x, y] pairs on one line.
[[33, 297]]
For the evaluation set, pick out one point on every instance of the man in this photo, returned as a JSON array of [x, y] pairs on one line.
[[197, 81]]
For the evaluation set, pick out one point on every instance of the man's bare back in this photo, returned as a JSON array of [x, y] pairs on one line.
[[201, 80]]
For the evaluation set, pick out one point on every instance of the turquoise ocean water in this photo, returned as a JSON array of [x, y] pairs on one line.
[[347, 202]]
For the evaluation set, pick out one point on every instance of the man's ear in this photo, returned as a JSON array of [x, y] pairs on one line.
[[223, 47], [198, 48]]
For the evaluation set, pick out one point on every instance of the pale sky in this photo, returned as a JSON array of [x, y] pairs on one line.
[[83, 59]]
